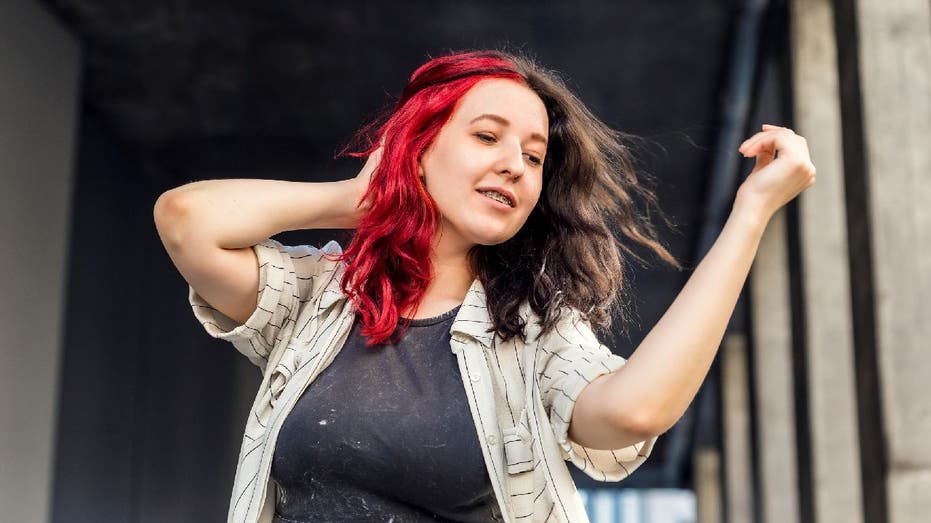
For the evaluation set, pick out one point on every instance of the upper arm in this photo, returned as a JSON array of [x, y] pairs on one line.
[[596, 421], [575, 370], [227, 279]]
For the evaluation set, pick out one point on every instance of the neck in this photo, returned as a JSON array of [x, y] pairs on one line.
[[452, 278]]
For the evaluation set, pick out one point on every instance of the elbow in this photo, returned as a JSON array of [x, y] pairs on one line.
[[646, 424], [170, 212]]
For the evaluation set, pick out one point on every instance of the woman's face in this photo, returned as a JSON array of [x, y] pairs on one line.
[[484, 170]]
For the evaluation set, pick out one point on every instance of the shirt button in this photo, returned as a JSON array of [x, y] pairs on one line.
[[475, 378], [492, 439]]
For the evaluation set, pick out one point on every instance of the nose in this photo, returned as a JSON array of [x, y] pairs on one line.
[[511, 162]]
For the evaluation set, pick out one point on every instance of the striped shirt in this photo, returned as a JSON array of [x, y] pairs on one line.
[[520, 394]]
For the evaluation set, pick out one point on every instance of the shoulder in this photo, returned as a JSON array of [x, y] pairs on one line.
[[310, 271], [570, 328], [303, 259], [328, 253]]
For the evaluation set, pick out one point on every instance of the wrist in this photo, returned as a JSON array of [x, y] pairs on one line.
[[751, 213], [351, 207], [359, 188]]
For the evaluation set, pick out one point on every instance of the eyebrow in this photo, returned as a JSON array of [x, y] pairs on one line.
[[503, 121]]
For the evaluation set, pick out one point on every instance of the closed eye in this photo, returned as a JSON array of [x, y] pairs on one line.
[[490, 138]]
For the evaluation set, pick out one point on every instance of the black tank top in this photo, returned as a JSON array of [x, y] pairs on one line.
[[384, 434]]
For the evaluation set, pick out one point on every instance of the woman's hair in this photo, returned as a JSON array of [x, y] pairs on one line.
[[569, 254]]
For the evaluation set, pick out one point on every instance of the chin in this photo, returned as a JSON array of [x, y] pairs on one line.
[[494, 239], [487, 232]]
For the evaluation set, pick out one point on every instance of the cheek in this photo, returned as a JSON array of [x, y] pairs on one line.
[[439, 169], [535, 205], [535, 191]]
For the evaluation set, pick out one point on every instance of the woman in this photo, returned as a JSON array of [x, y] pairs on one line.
[[484, 220]]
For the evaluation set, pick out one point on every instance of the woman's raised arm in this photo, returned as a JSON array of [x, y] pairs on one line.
[[653, 389], [208, 228]]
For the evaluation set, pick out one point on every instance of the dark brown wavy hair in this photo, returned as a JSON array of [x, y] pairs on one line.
[[592, 215]]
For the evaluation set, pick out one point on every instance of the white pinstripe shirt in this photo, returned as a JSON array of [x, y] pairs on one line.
[[520, 394]]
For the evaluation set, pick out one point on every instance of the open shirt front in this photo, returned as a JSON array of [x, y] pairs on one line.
[[521, 394]]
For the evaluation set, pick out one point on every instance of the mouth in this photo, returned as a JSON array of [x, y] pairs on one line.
[[498, 197]]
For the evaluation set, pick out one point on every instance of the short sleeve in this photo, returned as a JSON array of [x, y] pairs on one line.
[[289, 278], [572, 358]]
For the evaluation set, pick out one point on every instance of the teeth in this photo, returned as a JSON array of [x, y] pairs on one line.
[[498, 197]]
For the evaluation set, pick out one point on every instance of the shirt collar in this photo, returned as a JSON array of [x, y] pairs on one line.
[[333, 291], [472, 318]]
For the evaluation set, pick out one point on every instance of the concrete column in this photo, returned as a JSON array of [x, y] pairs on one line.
[[895, 81], [707, 465], [735, 398], [39, 68], [837, 493], [772, 379]]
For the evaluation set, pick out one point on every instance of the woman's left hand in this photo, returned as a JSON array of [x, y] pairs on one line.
[[783, 170]]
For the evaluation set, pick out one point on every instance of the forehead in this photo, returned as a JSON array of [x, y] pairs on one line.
[[505, 98]]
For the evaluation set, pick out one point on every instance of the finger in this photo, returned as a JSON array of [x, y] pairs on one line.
[[768, 130], [777, 140], [769, 147], [746, 143], [760, 141], [767, 126], [763, 159], [751, 143], [771, 127]]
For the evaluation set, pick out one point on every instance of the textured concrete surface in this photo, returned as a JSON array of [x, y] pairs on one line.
[[772, 378], [735, 411], [832, 395], [895, 75]]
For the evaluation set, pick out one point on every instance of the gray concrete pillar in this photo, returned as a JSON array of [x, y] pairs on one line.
[[837, 493], [707, 465], [735, 414], [39, 68], [895, 80], [772, 379]]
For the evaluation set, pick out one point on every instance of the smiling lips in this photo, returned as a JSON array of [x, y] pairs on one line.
[[497, 196]]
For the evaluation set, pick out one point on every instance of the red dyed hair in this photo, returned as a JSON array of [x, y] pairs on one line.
[[388, 259]]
